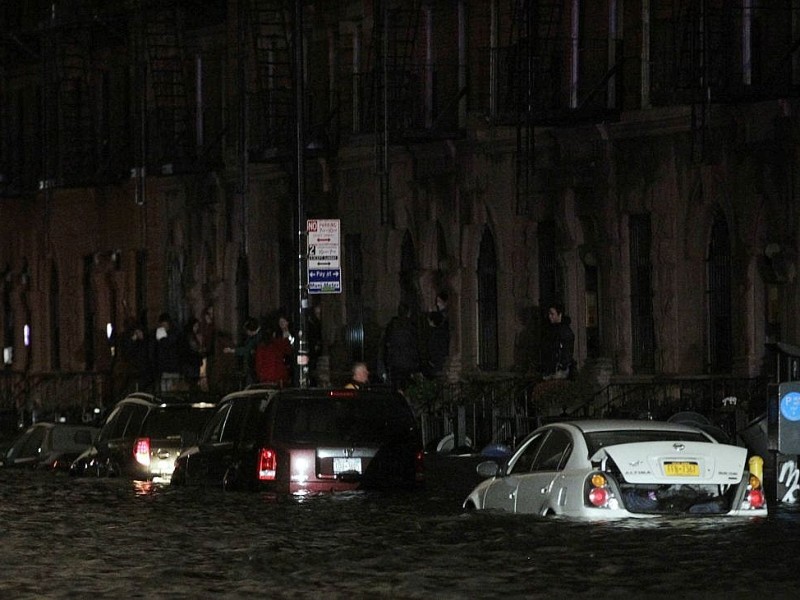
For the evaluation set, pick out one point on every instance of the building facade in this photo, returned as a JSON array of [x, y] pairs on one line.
[[634, 160]]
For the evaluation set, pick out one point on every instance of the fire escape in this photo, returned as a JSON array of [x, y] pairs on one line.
[[533, 69], [169, 136], [69, 148], [393, 85], [271, 90], [717, 52]]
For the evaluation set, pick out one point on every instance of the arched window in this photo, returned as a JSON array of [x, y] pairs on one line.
[[242, 290], [487, 303], [720, 341], [408, 274]]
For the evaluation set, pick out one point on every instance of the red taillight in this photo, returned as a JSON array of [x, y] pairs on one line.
[[267, 461], [141, 451], [756, 498], [598, 496], [419, 465]]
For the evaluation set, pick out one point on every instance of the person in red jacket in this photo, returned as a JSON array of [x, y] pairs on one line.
[[272, 360]]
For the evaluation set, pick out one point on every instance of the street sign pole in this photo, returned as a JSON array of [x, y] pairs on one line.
[[301, 374]]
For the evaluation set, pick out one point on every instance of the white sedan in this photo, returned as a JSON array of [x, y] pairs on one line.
[[614, 468]]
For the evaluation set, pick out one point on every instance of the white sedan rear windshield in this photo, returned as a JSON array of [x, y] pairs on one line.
[[600, 439]]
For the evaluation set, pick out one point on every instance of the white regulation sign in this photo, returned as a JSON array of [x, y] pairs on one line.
[[323, 260]]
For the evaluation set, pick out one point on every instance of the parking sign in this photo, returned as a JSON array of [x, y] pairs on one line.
[[323, 261]]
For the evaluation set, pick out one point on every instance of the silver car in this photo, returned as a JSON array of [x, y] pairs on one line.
[[607, 469]]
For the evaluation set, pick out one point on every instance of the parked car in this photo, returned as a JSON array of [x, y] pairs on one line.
[[307, 440], [143, 435], [606, 469], [50, 446]]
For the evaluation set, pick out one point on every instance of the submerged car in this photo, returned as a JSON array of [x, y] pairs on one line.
[[607, 469], [142, 436], [48, 446], [306, 441]]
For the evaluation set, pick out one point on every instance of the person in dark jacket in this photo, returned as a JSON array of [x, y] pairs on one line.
[[438, 343], [166, 354], [246, 351], [133, 361], [557, 362]]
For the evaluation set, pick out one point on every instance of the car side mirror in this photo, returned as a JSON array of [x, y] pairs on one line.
[[488, 468]]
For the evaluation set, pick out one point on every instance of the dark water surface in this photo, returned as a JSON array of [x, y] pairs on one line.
[[82, 538]]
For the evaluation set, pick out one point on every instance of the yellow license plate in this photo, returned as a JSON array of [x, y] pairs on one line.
[[682, 469]]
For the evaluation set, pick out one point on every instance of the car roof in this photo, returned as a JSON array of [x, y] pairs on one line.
[[594, 425], [169, 399]]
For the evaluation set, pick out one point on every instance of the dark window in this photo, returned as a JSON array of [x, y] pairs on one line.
[[29, 445], [642, 328], [55, 321], [554, 452], [242, 290], [720, 342], [487, 303], [408, 274], [89, 312], [591, 281], [237, 417], [212, 433], [360, 419], [134, 427], [354, 280], [548, 273], [165, 423], [523, 462], [112, 424]]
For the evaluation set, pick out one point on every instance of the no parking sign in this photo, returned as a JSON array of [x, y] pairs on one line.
[[323, 256]]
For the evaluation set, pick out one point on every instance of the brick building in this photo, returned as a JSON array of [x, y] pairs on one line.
[[636, 160]]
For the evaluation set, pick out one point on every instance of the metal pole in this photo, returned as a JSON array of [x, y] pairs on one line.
[[301, 372]]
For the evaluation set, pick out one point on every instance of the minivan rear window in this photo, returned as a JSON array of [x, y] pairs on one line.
[[362, 419], [166, 423]]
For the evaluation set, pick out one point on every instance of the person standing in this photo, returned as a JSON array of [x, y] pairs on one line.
[[166, 354], [272, 360], [193, 353], [438, 343], [314, 337], [208, 336], [247, 349], [557, 362], [132, 359]]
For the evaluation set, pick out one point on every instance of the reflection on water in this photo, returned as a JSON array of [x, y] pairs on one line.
[[76, 538]]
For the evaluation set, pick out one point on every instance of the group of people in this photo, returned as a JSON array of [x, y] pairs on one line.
[[168, 357], [405, 351], [266, 353]]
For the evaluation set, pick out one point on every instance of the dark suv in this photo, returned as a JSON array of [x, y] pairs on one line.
[[143, 435], [301, 441]]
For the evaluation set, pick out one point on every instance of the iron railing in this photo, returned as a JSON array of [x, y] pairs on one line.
[[503, 409]]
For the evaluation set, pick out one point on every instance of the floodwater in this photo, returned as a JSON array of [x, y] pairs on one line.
[[109, 538]]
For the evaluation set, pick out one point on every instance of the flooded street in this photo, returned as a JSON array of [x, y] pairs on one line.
[[80, 538]]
